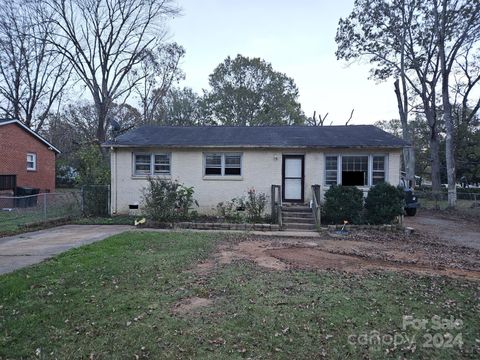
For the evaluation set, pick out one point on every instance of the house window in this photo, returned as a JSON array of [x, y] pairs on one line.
[[378, 170], [151, 164], [223, 164], [354, 170], [31, 161], [233, 164], [331, 166], [213, 164], [161, 165]]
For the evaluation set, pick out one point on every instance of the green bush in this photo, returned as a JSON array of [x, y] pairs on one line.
[[93, 167], [343, 203], [167, 200], [384, 202], [255, 205]]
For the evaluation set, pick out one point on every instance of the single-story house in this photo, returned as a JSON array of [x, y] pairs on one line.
[[224, 162], [26, 158]]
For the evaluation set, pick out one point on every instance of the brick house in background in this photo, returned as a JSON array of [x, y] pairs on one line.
[[26, 158]]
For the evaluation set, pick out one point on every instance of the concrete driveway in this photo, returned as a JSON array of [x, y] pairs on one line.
[[30, 248], [452, 231]]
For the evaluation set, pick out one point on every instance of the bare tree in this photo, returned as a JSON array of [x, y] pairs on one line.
[[398, 38], [313, 121], [467, 79], [160, 69], [457, 27], [350, 117], [105, 41], [33, 75]]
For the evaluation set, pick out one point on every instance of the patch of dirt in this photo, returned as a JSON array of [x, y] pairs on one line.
[[358, 252], [324, 260], [191, 305], [205, 267], [252, 250]]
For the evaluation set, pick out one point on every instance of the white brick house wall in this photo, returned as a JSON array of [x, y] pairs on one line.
[[260, 169]]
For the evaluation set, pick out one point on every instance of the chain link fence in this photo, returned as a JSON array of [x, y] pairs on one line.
[[17, 211], [96, 200], [439, 201], [21, 211]]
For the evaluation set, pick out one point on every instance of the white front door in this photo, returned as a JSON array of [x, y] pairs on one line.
[[293, 178]]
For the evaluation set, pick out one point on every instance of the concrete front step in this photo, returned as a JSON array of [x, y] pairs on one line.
[[303, 215], [295, 219], [298, 226], [303, 209]]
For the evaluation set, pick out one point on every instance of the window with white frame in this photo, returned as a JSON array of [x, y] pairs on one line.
[[355, 170], [331, 170], [151, 164], [31, 161], [378, 169], [223, 164]]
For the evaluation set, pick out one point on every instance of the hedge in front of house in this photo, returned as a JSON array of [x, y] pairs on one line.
[[343, 203], [384, 202]]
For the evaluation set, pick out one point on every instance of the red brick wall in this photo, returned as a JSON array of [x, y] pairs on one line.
[[15, 143]]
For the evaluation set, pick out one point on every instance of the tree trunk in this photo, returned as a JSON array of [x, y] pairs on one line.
[[408, 152], [435, 164], [447, 108], [102, 113], [434, 149], [449, 145]]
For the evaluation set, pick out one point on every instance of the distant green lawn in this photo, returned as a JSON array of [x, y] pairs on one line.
[[10, 221], [13, 222], [114, 300]]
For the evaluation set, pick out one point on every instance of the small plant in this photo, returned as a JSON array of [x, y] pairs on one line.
[[229, 210], [343, 203], [384, 202], [167, 200], [255, 205]]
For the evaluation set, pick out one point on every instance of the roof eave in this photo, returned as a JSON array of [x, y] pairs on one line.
[[26, 128], [107, 145]]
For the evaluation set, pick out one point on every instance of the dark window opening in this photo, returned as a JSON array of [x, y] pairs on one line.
[[213, 171], [354, 178], [355, 170], [233, 171], [8, 182]]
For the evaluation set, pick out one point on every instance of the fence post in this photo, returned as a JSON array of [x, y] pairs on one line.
[[45, 207], [109, 198], [82, 200], [272, 202]]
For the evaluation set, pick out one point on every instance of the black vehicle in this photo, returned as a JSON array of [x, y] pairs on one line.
[[411, 201]]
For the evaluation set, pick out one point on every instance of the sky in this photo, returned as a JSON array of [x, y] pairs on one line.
[[297, 38]]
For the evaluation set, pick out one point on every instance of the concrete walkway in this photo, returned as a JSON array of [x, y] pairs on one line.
[[30, 248]]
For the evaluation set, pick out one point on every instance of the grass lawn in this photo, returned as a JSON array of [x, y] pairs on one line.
[[10, 221], [114, 300]]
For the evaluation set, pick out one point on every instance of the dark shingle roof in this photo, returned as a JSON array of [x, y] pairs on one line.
[[257, 136]]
